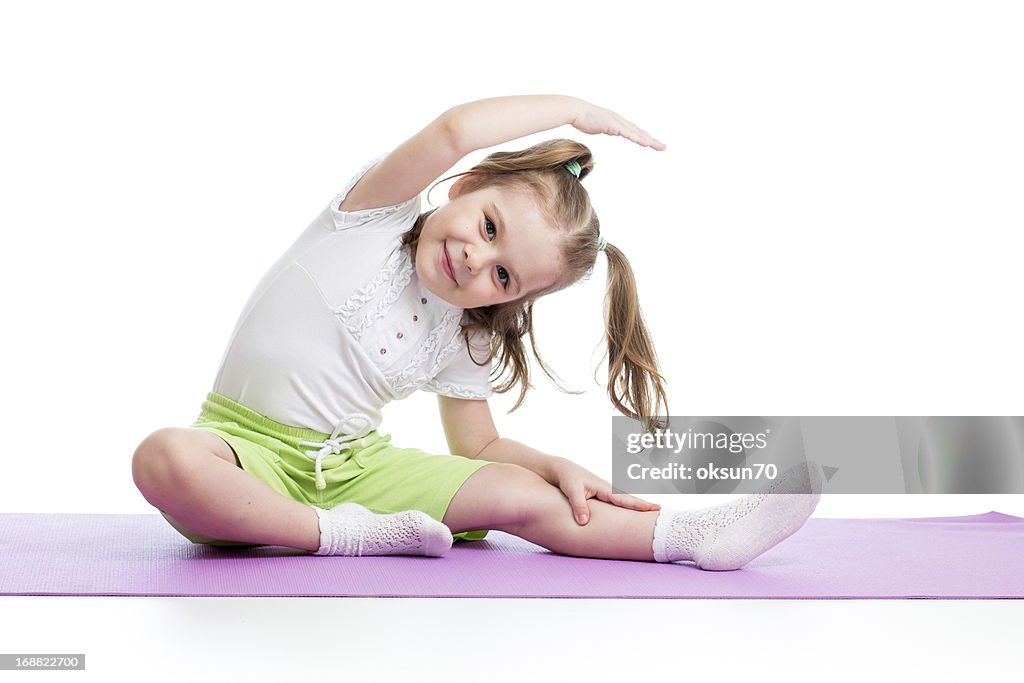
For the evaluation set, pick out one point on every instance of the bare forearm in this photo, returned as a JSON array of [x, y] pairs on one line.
[[509, 451], [485, 123]]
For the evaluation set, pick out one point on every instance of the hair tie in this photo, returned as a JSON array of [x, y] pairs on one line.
[[574, 168], [601, 243]]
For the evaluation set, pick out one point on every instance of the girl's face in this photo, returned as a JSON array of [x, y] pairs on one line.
[[487, 247]]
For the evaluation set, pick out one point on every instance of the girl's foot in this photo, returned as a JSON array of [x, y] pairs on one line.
[[728, 536], [352, 530]]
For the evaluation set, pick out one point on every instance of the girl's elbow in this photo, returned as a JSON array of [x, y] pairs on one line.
[[453, 130]]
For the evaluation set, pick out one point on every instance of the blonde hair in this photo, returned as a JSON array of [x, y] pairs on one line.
[[635, 383]]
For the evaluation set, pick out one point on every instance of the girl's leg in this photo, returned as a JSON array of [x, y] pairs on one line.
[[516, 500], [192, 476], [723, 537]]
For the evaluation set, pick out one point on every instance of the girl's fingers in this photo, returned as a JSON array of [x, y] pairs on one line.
[[578, 503], [647, 140], [641, 137], [652, 141], [608, 122], [641, 505], [624, 500]]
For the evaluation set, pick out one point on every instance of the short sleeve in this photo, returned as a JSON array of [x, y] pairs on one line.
[[461, 377], [400, 214]]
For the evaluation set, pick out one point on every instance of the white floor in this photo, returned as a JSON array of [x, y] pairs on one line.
[[170, 639]]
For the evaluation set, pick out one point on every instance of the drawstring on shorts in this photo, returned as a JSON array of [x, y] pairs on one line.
[[350, 433]]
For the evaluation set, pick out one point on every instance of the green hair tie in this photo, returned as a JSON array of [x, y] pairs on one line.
[[574, 168]]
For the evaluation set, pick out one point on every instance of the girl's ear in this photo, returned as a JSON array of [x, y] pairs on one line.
[[464, 184]]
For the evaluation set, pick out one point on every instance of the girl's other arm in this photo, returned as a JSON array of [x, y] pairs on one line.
[[470, 431]]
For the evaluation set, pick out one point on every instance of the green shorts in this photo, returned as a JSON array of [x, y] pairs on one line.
[[374, 473]]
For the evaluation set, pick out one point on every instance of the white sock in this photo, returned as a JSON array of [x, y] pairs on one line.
[[352, 530], [728, 536]]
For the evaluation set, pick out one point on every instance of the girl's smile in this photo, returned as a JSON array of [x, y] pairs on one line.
[[446, 263]]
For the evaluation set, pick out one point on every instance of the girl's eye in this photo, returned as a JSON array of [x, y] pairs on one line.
[[503, 274]]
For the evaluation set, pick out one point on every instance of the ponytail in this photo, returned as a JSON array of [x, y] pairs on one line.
[[635, 383]]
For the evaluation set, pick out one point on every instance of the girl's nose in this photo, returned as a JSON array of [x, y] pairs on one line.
[[475, 258]]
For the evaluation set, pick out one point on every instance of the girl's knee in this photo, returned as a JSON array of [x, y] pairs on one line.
[[150, 458], [164, 460], [522, 496]]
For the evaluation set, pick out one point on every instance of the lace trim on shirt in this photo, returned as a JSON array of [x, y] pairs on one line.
[[395, 289], [397, 272], [457, 390], [406, 379], [453, 345], [365, 293], [447, 387], [365, 214]]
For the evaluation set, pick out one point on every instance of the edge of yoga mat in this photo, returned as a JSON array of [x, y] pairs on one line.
[[139, 555]]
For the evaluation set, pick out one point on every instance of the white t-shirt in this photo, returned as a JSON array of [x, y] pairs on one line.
[[341, 325]]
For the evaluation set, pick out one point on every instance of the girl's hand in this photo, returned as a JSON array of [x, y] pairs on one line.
[[579, 484], [594, 120]]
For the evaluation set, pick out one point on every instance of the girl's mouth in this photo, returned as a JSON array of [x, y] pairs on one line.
[[446, 263]]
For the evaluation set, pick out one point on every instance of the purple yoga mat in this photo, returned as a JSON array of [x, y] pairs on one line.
[[977, 556]]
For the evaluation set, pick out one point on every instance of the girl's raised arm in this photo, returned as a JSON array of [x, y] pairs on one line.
[[465, 128], [490, 122], [408, 169]]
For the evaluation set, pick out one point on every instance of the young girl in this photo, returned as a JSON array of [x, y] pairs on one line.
[[375, 300]]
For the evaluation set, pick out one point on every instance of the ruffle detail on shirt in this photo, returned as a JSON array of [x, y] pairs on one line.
[[380, 295], [366, 292], [458, 390], [407, 379]]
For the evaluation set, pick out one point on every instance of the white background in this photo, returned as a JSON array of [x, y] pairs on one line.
[[833, 230]]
